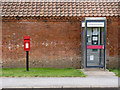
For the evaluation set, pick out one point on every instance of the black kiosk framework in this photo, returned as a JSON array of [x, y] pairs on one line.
[[93, 53]]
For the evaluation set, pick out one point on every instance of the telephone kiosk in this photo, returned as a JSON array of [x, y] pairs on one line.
[[93, 40]]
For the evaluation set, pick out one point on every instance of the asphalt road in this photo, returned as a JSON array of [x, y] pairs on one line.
[[60, 82]]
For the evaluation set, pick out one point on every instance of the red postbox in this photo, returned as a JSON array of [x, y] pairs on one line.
[[27, 49], [26, 43]]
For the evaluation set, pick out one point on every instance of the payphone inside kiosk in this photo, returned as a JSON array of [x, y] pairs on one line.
[[93, 42]]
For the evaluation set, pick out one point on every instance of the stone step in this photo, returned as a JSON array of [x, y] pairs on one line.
[[97, 72]]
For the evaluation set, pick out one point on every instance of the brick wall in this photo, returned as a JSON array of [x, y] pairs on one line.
[[119, 42], [112, 42], [55, 42]]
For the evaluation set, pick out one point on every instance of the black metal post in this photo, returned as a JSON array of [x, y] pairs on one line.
[[27, 60]]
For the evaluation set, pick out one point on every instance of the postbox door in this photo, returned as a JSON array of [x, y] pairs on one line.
[[27, 43]]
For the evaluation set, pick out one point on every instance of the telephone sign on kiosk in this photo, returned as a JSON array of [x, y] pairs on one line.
[[26, 43]]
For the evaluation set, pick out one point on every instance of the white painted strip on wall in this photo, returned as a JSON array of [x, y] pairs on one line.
[[83, 24]]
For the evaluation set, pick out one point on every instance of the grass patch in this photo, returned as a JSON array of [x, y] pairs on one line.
[[42, 72], [116, 71]]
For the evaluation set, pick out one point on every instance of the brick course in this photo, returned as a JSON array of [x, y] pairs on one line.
[[55, 41]]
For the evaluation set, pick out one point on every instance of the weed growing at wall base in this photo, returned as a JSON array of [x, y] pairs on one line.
[[116, 71]]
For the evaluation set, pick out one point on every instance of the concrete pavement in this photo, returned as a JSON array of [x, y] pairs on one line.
[[93, 79]]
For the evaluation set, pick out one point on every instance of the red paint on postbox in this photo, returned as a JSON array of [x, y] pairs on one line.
[[26, 43], [95, 47]]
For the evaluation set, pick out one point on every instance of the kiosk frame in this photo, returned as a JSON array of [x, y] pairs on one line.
[[93, 22]]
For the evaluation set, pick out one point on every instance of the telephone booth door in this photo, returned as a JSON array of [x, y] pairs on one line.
[[94, 42]]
